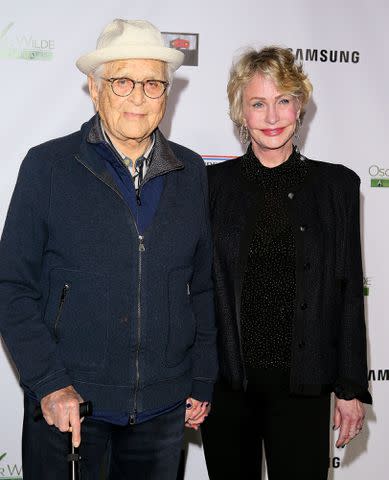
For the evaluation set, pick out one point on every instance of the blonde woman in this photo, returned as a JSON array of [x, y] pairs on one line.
[[288, 283]]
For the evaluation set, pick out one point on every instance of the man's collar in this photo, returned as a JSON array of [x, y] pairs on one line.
[[98, 134], [164, 160], [95, 134], [146, 155]]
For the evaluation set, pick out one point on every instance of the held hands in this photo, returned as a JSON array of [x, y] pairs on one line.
[[348, 416], [196, 412], [61, 408]]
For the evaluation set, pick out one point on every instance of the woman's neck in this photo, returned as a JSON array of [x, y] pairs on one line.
[[271, 158]]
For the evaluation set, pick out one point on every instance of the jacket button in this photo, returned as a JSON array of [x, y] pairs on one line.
[[303, 306], [290, 195], [307, 266], [301, 344], [303, 228]]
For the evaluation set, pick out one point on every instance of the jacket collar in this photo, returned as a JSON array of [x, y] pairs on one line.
[[162, 159], [252, 171]]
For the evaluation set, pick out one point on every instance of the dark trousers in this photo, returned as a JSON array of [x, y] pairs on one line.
[[147, 451], [294, 432]]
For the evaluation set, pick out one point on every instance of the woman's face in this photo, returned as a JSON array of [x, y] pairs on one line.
[[270, 117]]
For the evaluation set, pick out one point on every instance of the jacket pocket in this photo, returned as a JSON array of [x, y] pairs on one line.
[[77, 316], [182, 323], [61, 305]]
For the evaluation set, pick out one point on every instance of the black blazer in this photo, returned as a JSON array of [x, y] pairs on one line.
[[329, 342]]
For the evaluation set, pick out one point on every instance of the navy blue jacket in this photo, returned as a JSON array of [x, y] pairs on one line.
[[85, 299]]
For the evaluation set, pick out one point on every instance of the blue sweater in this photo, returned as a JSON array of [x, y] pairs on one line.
[[88, 299]]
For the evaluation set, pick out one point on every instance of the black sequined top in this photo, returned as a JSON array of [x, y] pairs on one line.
[[269, 285]]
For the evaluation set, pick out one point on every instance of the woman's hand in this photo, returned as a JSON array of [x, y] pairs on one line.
[[196, 412], [348, 416]]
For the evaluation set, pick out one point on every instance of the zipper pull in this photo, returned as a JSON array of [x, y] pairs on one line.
[[132, 420], [65, 290], [141, 244]]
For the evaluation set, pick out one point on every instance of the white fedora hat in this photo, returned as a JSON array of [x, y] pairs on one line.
[[125, 39]]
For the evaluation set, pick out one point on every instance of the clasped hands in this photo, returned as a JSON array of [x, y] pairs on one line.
[[196, 412]]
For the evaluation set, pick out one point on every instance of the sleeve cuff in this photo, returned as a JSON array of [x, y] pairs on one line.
[[348, 390], [54, 382], [202, 390]]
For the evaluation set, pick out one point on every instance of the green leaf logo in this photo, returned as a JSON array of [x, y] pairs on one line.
[[3, 33], [2, 456]]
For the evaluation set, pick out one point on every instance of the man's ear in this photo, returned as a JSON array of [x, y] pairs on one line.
[[93, 92]]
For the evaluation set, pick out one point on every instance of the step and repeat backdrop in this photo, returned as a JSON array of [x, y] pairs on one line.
[[344, 48]]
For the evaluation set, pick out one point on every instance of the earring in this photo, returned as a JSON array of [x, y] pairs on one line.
[[243, 134], [297, 129]]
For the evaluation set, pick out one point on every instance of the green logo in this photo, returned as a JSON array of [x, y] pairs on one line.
[[5, 30], [366, 286], [379, 182], [9, 472], [379, 176], [25, 46]]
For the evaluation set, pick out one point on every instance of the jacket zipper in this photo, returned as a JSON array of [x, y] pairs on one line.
[[141, 249], [64, 292]]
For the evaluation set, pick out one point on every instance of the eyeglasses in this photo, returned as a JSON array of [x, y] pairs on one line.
[[124, 86]]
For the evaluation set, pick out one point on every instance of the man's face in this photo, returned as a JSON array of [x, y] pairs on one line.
[[136, 116]]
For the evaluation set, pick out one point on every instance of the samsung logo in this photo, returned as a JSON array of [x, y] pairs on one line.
[[378, 375], [334, 462], [333, 56]]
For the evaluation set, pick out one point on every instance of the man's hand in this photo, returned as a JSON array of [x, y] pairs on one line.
[[348, 416], [61, 408], [196, 412]]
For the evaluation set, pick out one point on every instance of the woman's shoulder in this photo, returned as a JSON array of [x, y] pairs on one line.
[[334, 173], [224, 171]]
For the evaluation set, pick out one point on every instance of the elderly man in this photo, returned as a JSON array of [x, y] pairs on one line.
[[105, 275]]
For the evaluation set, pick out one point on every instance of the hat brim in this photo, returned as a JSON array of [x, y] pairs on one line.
[[89, 62]]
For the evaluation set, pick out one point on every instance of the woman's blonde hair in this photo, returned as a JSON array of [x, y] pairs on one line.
[[274, 62]]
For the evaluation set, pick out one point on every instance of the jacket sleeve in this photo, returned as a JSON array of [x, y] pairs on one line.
[[204, 349], [352, 375], [22, 254]]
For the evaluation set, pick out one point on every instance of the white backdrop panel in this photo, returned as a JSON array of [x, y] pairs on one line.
[[346, 123]]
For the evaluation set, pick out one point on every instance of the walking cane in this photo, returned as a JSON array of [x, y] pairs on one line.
[[73, 457]]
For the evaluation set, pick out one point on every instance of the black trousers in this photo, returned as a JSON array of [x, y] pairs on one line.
[[146, 451], [294, 432]]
